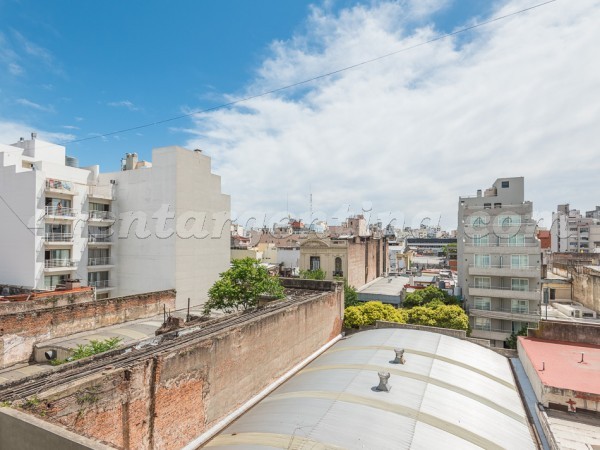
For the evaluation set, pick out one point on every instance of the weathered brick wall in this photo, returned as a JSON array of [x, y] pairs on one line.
[[586, 287], [567, 331], [57, 316], [166, 401]]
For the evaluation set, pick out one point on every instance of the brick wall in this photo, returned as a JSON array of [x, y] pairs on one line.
[[586, 287], [24, 324], [169, 399], [567, 331]]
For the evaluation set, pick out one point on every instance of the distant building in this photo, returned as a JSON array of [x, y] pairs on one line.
[[149, 227], [360, 256], [571, 232], [545, 239], [499, 260]]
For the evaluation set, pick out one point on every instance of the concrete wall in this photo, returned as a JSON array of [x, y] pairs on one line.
[[167, 400], [24, 324], [567, 331], [586, 287]]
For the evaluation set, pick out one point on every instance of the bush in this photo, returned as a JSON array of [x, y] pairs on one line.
[[317, 274], [422, 297], [370, 312], [442, 316]]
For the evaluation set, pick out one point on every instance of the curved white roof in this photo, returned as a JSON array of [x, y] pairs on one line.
[[450, 393]]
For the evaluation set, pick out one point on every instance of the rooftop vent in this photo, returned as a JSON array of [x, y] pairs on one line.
[[33, 135], [384, 386], [399, 356], [197, 150]]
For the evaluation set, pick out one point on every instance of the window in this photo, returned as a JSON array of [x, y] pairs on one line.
[[519, 261], [482, 260], [315, 262], [552, 294], [517, 326], [487, 206], [517, 240], [481, 241], [497, 205], [483, 303], [99, 207], [57, 254], [51, 281], [483, 323], [519, 284], [508, 220], [519, 306], [482, 282], [505, 184]]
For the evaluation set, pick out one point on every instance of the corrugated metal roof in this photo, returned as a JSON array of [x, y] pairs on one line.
[[449, 393]]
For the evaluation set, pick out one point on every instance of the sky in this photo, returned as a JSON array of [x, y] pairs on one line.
[[398, 139]]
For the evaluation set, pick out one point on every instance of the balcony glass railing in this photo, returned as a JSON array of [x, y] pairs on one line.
[[56, 263], [99, 238], [59, 237], [101, 284], [104, 261], [489, 328], [505, 288], [101, 215], [505, 266], [502, 244], [505, 310], [59, 185], [59, 211]]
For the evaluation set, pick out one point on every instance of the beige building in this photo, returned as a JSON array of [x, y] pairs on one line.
[[360, 256]]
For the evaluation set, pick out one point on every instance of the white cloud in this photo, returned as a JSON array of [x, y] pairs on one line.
[[15, 69], [11, 131], [29, 104], [412, 132], [124, 104]]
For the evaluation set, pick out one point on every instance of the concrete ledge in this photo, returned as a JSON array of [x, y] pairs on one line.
[[22, 431], [313, 285]]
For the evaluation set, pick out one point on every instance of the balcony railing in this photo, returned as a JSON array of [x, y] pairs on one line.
[[59, 237], [101, 215], [504, 266], [502, 244], [60, 211], [101, 284], [56, 263], [104, 261], [507, 310], [504, 288], [95, 238], [59, 185], [489, 328]]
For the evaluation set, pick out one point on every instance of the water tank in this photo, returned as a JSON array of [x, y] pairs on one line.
[[71, 161]]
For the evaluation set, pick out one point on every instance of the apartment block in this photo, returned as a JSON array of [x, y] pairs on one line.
[[499, 260], [571, 232], [150, 227]]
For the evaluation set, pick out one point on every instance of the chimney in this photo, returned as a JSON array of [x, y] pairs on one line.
[[131, 160], [478, 192], [384, 386], [33, 135], [399, 356]]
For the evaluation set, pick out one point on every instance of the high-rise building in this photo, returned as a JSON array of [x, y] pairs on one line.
[[573, 233], [149, 227], [499, 260]]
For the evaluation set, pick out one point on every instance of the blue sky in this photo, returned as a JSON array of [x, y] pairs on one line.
[[383, 136]]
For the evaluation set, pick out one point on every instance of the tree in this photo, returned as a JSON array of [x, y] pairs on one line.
[[422, 297], [440, 315], [511, 341], [370, 312], [241, 286], [317, 274], [350, 295]]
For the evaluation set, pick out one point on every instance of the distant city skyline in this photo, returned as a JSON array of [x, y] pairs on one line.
[[402, 137]]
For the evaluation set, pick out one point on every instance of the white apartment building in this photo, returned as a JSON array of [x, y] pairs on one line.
[[149, 227], [571, 232], [499, 260]]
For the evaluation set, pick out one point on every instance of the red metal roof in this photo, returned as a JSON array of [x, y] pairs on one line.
[[563, 368]]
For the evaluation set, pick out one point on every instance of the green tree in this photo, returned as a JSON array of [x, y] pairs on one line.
[[317, 274], [370, 312], [440, 315], [422, 297], [511, 341], [241, 286], [350, 295]]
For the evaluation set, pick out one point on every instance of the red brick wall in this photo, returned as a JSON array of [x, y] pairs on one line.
[[362, 261], [49, 318], [168, 400]]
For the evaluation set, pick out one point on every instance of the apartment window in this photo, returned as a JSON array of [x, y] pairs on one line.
[[552, 294], [482, 260], [584, 230], [482, 282], [315, 262], [497, 205], [483, 323], [519, 306], [517, 240], [519, 284], [481, 241], [478, 221], [518, 326], [487, 206], [508, 220], [57, 255], [519, 261], [338, 265], [56, 202], [51, 281], [98, 279], [99, 207], [484, 303], [505, 184]]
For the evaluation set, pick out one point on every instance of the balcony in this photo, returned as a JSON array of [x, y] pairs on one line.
[[58, 238], [503, 248], [490, 333], [60, 212], [101, 216], [518, 315], [506, 271], [104, 261], [99, 239], [101, 284], [61, 264], [59, 187], [505, 292], [102, 192]]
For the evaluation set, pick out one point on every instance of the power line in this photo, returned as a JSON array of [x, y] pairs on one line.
[[315, 78]]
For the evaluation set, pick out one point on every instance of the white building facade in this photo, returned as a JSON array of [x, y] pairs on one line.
[[573, 233], [499, 261], [149, 227]]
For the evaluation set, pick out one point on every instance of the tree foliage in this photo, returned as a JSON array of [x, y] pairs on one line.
[[317, 274], [511, 341], [368, 313], [422, 297], [240, 287], [350, 295]]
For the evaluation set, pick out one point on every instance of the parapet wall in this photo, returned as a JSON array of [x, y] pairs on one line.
[[26, 323], [567, 331], [168, 399]]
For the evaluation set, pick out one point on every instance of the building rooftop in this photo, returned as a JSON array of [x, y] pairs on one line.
[[562, 364], [448, 391], [385, 286]]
